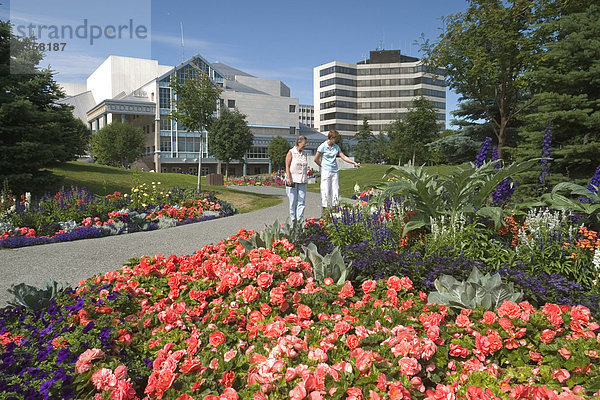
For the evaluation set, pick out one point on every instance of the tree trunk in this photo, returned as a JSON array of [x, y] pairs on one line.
[[500, 136], [198, 187], [226, 169]]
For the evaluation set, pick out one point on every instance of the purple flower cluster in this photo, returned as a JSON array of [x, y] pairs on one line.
[[504, 191], [506, 188], [372, 223], [315, 233], [484, 152], [549, 288], [595, 181], [82, 232], [545, 166], [36, 361], [45, 364]]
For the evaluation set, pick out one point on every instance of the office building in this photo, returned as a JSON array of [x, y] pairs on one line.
[[380, 88]]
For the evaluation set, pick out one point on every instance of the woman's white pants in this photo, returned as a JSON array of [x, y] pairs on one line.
[[330, 187]]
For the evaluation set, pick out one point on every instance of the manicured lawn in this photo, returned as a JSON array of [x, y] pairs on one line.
[[103, 180], [367, 175]]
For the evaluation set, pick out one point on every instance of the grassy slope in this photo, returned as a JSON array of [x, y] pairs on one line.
[[103, 180], [368, 175]]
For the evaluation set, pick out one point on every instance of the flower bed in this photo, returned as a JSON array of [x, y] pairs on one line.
[[275, 179], [78, 214], [250, 318], [255, 325]]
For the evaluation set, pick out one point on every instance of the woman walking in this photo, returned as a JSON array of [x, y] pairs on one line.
[[326, 158], [296, 178]]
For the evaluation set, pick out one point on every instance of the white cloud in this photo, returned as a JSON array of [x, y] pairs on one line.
[[71, 67]]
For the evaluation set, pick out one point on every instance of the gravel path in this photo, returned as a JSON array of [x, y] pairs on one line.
[[71, 262]]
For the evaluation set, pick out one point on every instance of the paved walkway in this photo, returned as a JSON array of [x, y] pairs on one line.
[[71, 262]]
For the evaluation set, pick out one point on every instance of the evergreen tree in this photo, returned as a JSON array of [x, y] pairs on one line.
[[567, 93], [118, 144], [229, 137], [277, 150], [36, 132], [364, 150]]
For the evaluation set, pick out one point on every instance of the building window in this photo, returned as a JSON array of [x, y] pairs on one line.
[[165, 123], [257, 152], [231, 103], [292, 108], [164, 97], [165, 145]]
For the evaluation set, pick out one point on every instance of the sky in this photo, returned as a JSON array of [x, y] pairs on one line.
[[274, 39]]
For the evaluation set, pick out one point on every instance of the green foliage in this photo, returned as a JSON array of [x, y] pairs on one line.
[[229, 137], [567, 90], [118, 144], [277, 150], [36, 131], [195, 102], [557, 201], [331, 265], [474, 240], [33, 298], [365, 150], [410, 135], [289, 230], [478, 290], [456, 148], [466, 191], [486, 51], [344, 234]]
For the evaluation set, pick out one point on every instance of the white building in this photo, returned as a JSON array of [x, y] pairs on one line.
[[380, 89], [138, 91], [307, 115]]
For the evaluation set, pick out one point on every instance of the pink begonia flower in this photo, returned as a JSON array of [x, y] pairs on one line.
[[228, 356], [104, 379], [299, 392], [84, 362], [561, 375]]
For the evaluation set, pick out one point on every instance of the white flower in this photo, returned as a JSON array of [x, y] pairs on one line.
[[356, 188]]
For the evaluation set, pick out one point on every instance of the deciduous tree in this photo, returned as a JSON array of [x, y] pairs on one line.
[[277, 151], [118, 144], [229, 137], [486, 52], [195, 102], [410, 135]]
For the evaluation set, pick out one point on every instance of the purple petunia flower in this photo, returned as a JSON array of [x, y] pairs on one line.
[[63, 354]]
